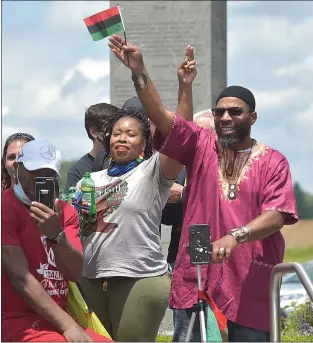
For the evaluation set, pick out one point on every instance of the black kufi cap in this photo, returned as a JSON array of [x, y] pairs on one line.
[[239, 92]]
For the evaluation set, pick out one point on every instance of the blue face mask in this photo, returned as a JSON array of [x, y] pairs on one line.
[[20, 194]]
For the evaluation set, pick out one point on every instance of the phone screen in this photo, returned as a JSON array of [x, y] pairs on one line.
[[200, 247], [45, 191]]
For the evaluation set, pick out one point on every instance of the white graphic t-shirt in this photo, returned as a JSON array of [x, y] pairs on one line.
[[129, 209]]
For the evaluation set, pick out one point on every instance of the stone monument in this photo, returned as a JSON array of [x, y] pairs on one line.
[[163, 29]]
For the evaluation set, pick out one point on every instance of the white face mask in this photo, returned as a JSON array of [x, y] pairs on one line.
[[19, 192]]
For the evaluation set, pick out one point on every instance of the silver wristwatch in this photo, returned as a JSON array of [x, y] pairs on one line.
[[241, 234]]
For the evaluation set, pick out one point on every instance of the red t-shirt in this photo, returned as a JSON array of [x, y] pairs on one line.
[[18, 228]]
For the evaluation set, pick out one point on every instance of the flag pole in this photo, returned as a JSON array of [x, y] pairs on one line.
[[124, 32], [126, 45]]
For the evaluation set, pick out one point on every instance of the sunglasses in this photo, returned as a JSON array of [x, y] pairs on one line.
[[232, 111], [22, 135]]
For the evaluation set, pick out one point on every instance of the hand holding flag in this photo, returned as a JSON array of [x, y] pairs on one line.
[[130, 55]]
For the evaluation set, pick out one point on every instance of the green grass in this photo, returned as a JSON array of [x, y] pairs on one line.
[[299, 254], [291, 337], [296, 337], [164, 338], [302, 316]]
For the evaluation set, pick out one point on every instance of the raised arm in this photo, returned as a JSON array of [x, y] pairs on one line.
[[174, 137], [186, 74], [145, 88]]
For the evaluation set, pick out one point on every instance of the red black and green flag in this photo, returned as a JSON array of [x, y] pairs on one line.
[[105, 23]]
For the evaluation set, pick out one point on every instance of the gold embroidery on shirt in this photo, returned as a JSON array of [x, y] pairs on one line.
[[277, 209], [258, 150]]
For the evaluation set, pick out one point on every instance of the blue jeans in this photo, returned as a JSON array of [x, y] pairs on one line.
[[181, 319], [236, 332]]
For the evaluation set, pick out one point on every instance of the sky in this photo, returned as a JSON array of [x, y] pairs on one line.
[[52, 71]]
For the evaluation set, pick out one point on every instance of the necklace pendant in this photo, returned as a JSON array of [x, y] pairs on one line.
[[232, 191]]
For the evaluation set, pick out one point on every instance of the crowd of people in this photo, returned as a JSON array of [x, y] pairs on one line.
[[150, 167]]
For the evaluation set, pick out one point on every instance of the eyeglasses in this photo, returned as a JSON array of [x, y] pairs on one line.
[[232, 111], [22, 135]]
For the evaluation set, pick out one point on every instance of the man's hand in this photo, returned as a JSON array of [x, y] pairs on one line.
[[47, 220], [187, 70], [127, 53], [76, 334], [223, 248], [176, 193]]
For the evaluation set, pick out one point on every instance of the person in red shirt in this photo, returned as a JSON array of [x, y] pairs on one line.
[[41, 252]]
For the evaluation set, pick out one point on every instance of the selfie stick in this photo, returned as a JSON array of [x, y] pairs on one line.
[[198, 308]]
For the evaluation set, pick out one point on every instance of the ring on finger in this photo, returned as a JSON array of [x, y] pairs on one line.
[[222, 251]]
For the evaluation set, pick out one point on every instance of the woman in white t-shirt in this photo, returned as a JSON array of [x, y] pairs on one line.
[[125, 273]]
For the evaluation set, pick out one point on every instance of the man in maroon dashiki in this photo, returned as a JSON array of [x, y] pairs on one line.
[[230, 188], [240, 187]]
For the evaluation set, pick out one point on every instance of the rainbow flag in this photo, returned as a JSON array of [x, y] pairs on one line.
[[105, 23]]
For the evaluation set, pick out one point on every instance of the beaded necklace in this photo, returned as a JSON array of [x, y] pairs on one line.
[[234, 162]]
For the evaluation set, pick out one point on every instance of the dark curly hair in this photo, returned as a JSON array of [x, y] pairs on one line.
[[141, 117], [20, 137]]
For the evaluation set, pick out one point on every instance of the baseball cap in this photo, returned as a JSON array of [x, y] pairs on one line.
[[40, 154]]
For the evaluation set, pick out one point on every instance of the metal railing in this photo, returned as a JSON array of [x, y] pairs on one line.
[[276, 276]]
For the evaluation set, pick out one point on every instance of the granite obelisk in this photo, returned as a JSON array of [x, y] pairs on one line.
[[163, 29]]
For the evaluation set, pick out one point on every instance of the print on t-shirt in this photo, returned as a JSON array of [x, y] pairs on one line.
[[108, 200], [53, 281]]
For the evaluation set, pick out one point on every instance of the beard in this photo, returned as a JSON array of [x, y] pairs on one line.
[[241, 131]]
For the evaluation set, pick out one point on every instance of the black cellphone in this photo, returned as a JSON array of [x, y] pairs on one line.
[[200, 247], [45, 191]]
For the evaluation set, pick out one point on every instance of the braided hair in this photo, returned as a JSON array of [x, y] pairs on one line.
[[140, 116], [16, 137]]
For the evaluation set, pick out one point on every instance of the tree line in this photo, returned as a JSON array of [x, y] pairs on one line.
[[304, 202]]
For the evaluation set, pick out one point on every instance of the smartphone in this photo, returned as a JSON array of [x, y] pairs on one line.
[[45, 191], [200, 247]]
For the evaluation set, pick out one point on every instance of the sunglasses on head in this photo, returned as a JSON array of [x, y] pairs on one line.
[[232, 111], [21, 135]]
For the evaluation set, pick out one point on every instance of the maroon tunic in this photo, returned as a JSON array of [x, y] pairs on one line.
[[241, 287]]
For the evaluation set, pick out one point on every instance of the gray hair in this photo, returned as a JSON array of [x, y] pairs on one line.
[[205, 113]]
